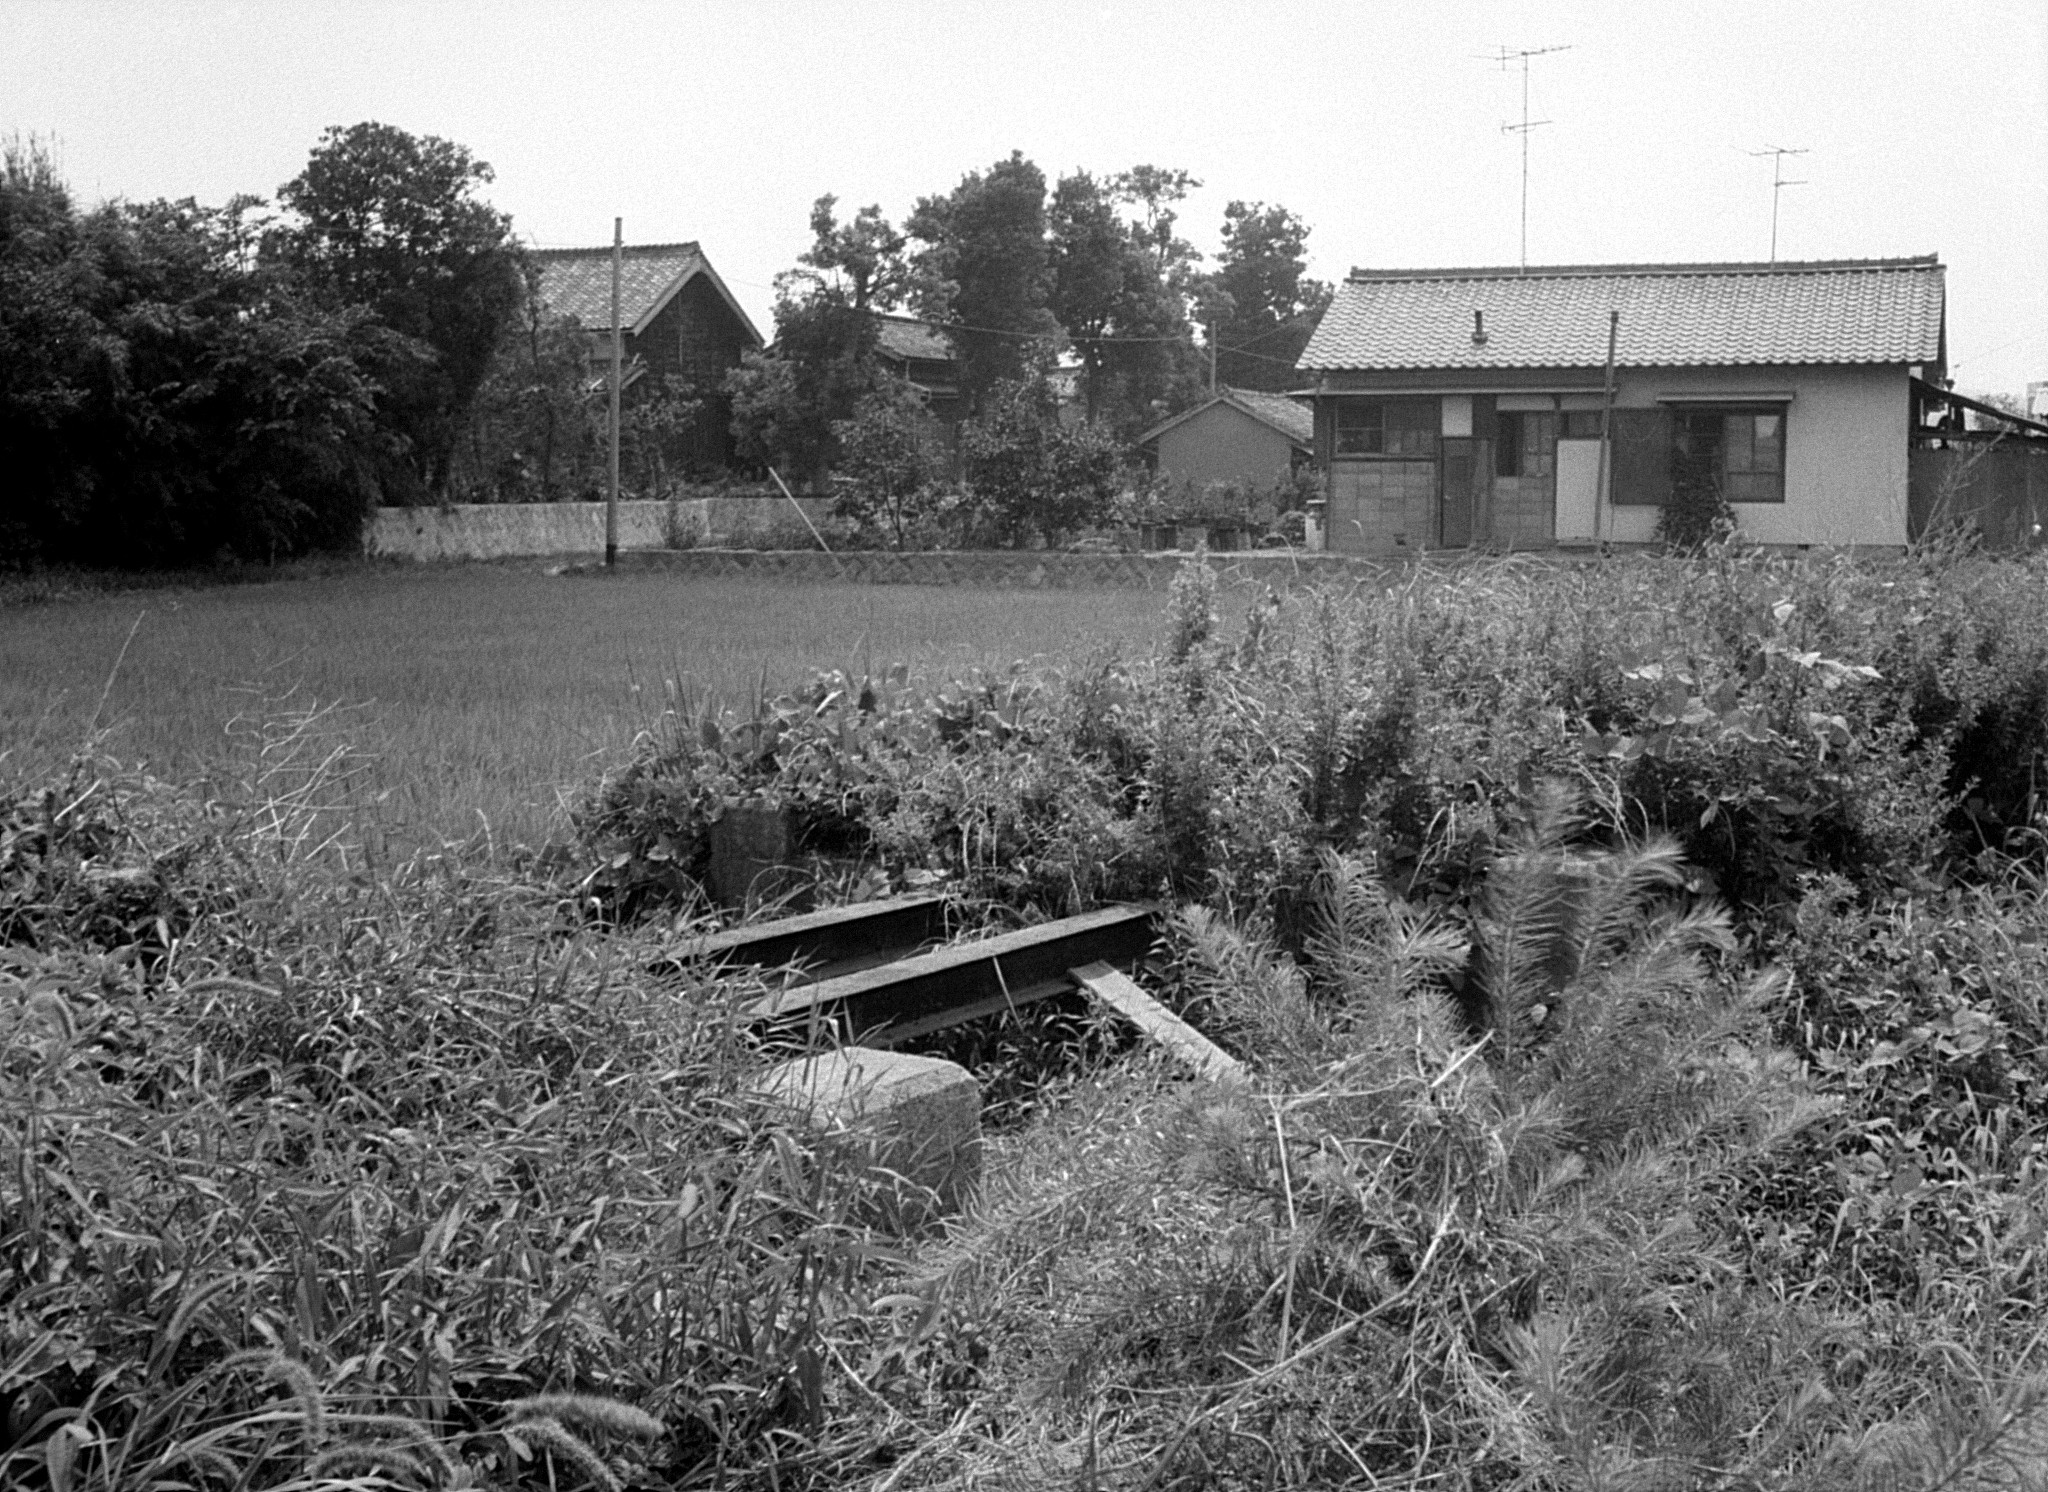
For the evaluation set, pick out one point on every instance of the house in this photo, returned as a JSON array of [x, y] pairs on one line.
[[1235, 435], [922, 355], [1463, 408], [676, 317]]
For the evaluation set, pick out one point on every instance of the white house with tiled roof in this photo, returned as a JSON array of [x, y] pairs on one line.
[[676, 318], [1464, 408]]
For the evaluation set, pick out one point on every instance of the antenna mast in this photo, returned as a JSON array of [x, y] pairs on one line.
[[1522, 55], [1777, 153]]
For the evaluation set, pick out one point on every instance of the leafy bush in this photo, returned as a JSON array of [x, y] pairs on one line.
[[888, 472], [388, 1178], [1031, 473]]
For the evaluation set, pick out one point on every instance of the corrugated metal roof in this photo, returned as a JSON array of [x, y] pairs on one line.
[[907, 337], [1838, 311], [578, 282]]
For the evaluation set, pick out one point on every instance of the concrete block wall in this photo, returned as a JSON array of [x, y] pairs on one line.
[[1374, 503], [1524, 511], [508, 530], [504, 530], [1004, 569]]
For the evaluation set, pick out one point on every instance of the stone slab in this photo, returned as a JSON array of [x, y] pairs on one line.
[[752, 850], [918, 1117]]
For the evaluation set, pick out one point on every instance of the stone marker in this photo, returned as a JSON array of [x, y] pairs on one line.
[[919, 1117]]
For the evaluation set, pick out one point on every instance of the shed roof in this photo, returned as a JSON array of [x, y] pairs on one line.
[[907, 337], [1834, 311], [1276, 410], [578, 283]]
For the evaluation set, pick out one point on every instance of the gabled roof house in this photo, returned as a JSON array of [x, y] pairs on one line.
[[676, 317], [1462, 408], [1234, 435]]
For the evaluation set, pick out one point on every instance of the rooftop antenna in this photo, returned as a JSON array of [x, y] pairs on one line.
[[1522, 55], [1777, 153]]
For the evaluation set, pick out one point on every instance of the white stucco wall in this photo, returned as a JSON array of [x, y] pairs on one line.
[[1845, 451], [1221, 444]]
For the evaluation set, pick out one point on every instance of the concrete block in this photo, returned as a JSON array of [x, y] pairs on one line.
[[918, 1117], [751, 855]]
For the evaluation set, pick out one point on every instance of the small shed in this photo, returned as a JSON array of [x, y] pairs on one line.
[[1234, 435]]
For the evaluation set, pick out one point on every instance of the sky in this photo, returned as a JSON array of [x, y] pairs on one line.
[[1925, 124]]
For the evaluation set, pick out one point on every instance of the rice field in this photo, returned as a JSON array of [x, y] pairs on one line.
[[480, 698]]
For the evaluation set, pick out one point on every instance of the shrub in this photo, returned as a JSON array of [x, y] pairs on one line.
[[1033, 474]]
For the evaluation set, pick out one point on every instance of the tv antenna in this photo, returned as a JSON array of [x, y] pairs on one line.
[[1777, 153], [1522, 55]]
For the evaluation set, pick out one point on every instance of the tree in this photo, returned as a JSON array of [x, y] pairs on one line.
[[888, 470], [986, 272], [1154, 190], [787, 401], [534, 434], [861, 260], [1029, 472], [166, 398], [1125, 317], [392, 221], [1273, 305]]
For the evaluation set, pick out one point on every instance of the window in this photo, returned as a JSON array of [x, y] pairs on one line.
[[1742, 450], [1399, 429], [1524, 443], [1361, 428]]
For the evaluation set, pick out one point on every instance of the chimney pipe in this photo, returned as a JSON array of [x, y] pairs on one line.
[[1478, 326]]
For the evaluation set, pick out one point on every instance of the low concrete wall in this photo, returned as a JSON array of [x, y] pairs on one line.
[[499, 530], [502, 530], [1011, 569]]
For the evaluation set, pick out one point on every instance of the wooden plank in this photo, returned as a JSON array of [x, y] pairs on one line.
[[1122, 995], [931, 990], [862, 931]]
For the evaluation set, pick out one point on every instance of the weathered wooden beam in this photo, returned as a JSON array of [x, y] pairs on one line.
[[929, 991], [1122, 994], [865, 932]]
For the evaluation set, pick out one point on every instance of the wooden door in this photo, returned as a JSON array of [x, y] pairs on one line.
[[1460, 470]]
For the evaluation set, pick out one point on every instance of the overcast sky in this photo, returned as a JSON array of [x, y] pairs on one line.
[[1925, 123]]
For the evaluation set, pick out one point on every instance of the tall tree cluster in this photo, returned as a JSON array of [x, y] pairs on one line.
[[1265, 305], [182, 383], [1023, 273]]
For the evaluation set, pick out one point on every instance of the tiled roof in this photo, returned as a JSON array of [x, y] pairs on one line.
[[1842, 311], [907, 337], [1277, 410], [1291, 419], [578, 282]]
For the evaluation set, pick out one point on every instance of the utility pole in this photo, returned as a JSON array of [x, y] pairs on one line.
[[1212, 349], [611, 499], [1522, 55], [1777, 153]]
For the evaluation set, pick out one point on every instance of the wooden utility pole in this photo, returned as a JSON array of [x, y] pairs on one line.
[[1606, 420], [611, 499]]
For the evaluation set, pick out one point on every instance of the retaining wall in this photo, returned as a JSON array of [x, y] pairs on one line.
[[1010, 569], [501, 530]]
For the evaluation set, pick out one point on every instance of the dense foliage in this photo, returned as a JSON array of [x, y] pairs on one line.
[[166, 396], [392, 222], [1638, 967], [180, 383]]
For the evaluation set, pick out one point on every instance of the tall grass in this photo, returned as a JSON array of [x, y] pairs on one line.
[[477, 697]]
